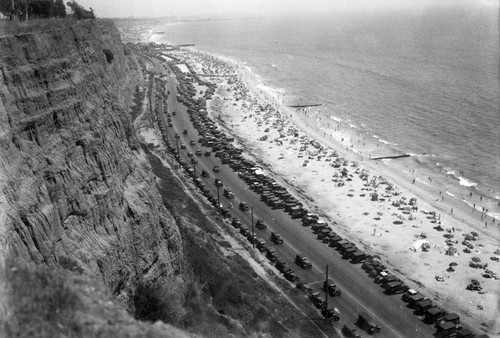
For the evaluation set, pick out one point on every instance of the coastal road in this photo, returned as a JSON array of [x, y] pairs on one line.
[[359, 292]]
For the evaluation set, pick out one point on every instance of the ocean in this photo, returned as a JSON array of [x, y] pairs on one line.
[[420, 82]]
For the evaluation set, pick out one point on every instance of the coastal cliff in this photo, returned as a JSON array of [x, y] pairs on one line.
[[99, 235], [76, 189]]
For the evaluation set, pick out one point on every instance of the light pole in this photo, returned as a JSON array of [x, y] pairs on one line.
[[218, 184]]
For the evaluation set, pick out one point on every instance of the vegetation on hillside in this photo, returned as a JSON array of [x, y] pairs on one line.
[[220, 294], [30, 9]]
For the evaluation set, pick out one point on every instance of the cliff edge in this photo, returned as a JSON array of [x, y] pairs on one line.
[[76, 190]]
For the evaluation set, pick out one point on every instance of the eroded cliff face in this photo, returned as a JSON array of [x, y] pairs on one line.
[[75, 187]]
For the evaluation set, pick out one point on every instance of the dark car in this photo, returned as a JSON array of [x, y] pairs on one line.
[[349, 330], [316, 299], [332, 288], [236, 223], [303, 261], [366, 322], [276, 238], [260, 224]]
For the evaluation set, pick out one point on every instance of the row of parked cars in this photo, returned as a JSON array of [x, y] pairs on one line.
[[277, 197], [447, 324], [274, 195]]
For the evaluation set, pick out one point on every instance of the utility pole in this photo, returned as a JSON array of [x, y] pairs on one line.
[[218, 199], [253, 233], [218, 184]]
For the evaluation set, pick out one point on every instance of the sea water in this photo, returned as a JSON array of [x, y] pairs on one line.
[[422, 82]]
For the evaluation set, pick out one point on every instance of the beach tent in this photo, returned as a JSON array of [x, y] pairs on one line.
[[419, 245]]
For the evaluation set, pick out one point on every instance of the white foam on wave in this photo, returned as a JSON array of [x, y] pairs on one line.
[[450, 194], [353, 126], [466, 183], [336, 119], [384, 141]]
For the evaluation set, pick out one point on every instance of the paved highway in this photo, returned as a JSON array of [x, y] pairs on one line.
[[359, 292]]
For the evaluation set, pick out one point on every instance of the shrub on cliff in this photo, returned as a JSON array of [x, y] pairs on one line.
[[160, 301], [41, 302], [109, 55]]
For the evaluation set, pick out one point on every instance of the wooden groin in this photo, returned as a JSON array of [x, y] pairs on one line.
[[390, 157], [306, 105]]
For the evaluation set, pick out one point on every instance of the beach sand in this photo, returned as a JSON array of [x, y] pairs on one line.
[[387, 227]]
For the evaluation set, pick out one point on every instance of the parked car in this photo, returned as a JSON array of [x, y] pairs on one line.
[[395, 287], [260, 243], [271, 254], [366, 322], [228, 193], [276, 238], [349, 330], [332, 288], [244, 206], [236, 223], [303, 261], [332, 314], [408, 294], [316, 299], [260, 225]]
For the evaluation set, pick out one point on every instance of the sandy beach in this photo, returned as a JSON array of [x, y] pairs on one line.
[[436, 243]]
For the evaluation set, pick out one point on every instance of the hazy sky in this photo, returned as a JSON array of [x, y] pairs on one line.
[[159, 8]]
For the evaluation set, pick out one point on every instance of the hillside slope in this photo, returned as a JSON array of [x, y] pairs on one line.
[[76, 188]]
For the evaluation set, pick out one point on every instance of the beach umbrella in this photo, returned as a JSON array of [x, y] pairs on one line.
[[497, 252], [475, 234], [476, 259], [453, 264]]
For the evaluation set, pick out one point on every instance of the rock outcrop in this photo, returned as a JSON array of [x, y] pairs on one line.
[[76, 189]]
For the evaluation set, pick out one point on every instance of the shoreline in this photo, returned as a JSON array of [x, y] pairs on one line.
[[355, 225]]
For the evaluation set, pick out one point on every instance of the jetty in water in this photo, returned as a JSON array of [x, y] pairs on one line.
[[390, 157], [306, 105]]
